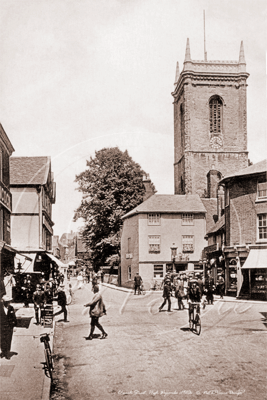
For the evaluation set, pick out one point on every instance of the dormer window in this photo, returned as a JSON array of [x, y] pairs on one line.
[[215, 115], [153, 219], [262, 190]]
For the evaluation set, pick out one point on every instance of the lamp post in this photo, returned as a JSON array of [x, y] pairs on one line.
[[173, 252]]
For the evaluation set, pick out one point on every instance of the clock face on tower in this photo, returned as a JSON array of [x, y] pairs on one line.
[[216, 142]]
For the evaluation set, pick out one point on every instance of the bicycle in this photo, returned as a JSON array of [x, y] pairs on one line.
[[195, 320], [48, 364]]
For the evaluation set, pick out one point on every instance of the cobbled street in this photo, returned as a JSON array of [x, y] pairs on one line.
[[152, 355]]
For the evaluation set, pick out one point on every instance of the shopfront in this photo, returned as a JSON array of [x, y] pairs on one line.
[[254, 274]]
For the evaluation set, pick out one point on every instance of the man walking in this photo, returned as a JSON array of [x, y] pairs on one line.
[[8, 321], [137, 283], [62, 302], [38, 302], [97, 310], [167, 289]]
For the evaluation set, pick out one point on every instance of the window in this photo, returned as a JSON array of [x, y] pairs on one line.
[[227, 197], [215, 115], [188, 219], [188, 243], [262, 226], [153, 219], [158, 271], [262, 190], [1, 167], [129, 273], [154, 244], [129, 246], [1, 224]]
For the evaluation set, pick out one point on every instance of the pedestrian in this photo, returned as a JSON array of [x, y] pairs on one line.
[[62, 302], [179, 293], [80, 280], [167, 289], [27, 290], [38, 303], [97, 310], [137, 283], [48, 294], [8, 322], [220, 285], [209, 286], [200, 283], [94, 282]]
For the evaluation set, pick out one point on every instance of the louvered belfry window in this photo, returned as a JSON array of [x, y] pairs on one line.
[[215, 115]]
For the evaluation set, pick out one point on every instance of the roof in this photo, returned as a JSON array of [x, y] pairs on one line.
[[211, 207], [6, 140], [257, 168], [29, 170], [169, 203], [216, 227]]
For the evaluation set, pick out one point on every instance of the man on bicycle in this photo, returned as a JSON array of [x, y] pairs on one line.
[[193, 296]]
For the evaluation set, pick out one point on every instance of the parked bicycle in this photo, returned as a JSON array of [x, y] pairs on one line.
[[195, 320], [48, 364]]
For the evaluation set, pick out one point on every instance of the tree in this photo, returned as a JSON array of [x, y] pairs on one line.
[[112, 185]]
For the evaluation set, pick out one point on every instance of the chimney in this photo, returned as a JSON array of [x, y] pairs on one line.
[[149, 190]]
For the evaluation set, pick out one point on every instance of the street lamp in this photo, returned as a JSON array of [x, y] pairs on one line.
[[174, 252]]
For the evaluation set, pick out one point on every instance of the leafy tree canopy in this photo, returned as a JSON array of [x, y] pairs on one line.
[[112, 185]]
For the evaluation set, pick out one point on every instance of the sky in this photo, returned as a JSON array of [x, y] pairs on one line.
[[80, 75]]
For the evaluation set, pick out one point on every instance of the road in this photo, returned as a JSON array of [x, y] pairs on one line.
[[152, 355]]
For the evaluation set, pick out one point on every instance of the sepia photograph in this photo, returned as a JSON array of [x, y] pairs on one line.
[[133, 200]]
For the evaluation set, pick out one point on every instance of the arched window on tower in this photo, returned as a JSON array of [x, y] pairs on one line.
[[216, 109]]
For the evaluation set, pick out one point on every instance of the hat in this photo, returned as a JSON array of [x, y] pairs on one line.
[[6, 298], [38, 286], [51, 279]]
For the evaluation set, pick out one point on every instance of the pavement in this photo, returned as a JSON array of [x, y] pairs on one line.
[[22, 377]]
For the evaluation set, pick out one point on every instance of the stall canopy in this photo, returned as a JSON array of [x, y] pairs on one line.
[[257, 259], [59, 263]]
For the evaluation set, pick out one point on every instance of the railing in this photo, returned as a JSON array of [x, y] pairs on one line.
[[5, 196]]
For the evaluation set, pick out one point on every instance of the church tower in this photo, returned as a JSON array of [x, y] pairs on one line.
[[210, 123]]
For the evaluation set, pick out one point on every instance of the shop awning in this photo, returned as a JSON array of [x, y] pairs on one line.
[[257, 259], [26, 261], [59, 263]]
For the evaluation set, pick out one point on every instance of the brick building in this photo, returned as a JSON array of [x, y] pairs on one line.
[[245, 249], [210, 123], [151, 229], [7, 253]]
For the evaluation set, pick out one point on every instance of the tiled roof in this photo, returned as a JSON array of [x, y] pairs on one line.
[[252, 169], [216, 227], [169, 203], [29, 170], [211, 207]]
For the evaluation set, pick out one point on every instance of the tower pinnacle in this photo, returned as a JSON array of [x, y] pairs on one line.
[[177, 73], [242, 54], [187, 51]]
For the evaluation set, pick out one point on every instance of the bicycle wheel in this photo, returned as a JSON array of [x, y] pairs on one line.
[[49, 363], [198, 324]]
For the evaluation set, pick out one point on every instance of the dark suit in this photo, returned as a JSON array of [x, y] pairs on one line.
[[62, 302], [8, 322]]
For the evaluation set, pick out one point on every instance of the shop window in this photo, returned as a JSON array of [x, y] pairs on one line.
[[129, 273], [187, 219], [153, 219], [158, 271], [262, 190], [1, 167], [188, 243], [154, 244], [262, 226]]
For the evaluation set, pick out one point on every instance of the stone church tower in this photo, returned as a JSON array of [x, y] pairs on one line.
[[210, 123]]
